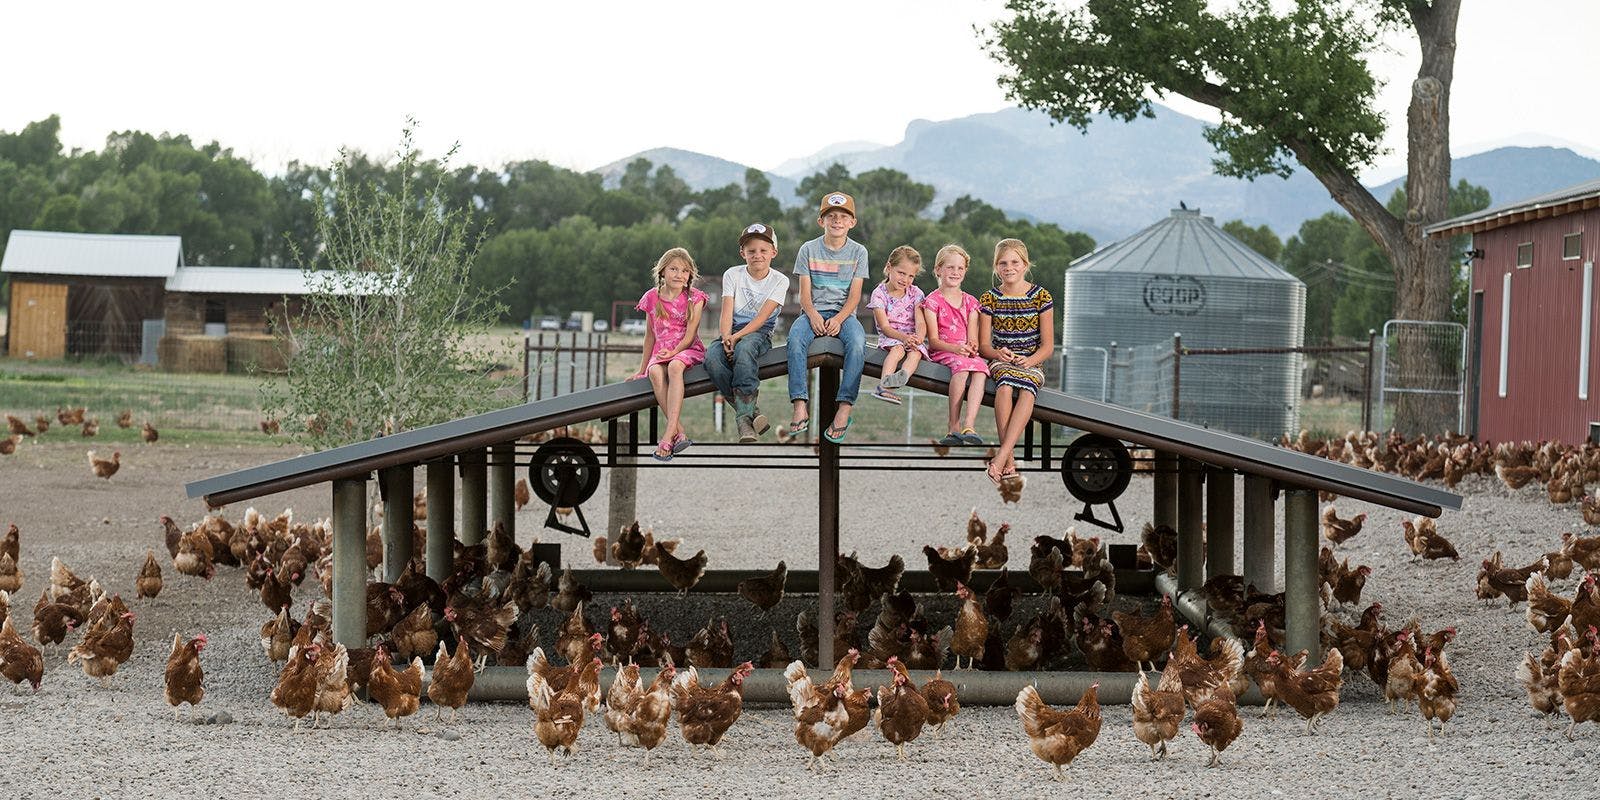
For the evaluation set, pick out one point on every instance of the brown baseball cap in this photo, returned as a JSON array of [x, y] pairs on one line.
[[759, 230], [837, 200]]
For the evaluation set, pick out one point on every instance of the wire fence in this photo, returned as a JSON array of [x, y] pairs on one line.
[[166, 400], [1422, 376]]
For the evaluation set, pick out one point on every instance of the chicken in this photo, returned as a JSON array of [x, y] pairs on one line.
[[503, 548], [1583, 549], [575, 642], [1144, 639], [777, 655], [91, 427], [1216, 721], [1338, 530], [19, 661], [706, 713], [452, 680], [125, 418], [1579, 683], [628, 549], [8, 445], [296, 691], [971, 628], [994, 554], [333, 691], [1425, 541], [105, 468], [1510, 582], [1102, 646], [1541, 685], [1158, 712], [277, 636], [943, 704], [17, 426], [530, 585], [819, 711], [947, 572], [1347, 583], [711, 646], [765, 591], [386, 606], [11, 545], [1000, 600], [171, 534], [519, 495], [1545, 611], [1586, 604], [1436, 690], [1161, 541], [185, 678], [560, 677], [682, 573], [414, 634], [105, 648], [397, 692], [1516, 477], [483, 626], [642, 720], [902, 709], [1313, 693], [1197, 675], [861, 585], [1045, 562], [1057, 737], [10, 576], [558, 716], [195, 555], [1400, 684], [149, 434], [148, 584], [653, 549], [1025, 648], [1010, 488], [806, 628]]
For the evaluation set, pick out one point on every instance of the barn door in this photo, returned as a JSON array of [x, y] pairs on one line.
[[39, 320]]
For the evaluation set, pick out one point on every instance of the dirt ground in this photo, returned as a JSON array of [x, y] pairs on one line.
[[73, 737]]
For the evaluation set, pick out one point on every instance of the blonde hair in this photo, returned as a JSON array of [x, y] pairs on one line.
[[1012, 244], [952, 250], [666, 259], [900, 255]]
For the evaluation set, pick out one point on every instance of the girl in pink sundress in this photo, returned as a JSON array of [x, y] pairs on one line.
[[672, 342], [952, 322]]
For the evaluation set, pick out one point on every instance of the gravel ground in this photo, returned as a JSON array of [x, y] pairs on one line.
[[73, 738]]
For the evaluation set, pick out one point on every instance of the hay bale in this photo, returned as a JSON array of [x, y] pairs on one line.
[[255, 352], [193, 353]]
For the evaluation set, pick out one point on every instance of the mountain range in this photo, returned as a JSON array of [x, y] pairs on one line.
[[1113, 179]]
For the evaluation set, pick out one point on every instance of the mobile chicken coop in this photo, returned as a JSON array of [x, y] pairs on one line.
[[1194, 474]]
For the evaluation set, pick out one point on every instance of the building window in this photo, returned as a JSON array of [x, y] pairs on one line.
[[1525, 255], [1571, 246], [216, 312]]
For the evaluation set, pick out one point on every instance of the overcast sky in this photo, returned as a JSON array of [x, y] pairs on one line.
[[583, 84]]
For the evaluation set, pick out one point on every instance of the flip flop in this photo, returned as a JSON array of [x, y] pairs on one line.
[[989, 470], [681, 444], [839, 438], [800, 425], [886, 395], [663, 447]]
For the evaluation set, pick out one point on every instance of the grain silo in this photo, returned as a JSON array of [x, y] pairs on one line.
[[1184, 275]]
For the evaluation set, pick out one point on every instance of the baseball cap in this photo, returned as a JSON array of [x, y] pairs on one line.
[[759, 230], [837, 200]]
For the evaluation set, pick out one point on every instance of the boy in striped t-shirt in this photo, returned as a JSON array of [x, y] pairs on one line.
[[831, 269]]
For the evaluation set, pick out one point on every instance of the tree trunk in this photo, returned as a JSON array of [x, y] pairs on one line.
[[1422, 264]]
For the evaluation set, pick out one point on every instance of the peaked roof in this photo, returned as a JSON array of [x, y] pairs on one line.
[[117, 255], [1572, 198], [1185, 243], [1218, 448]]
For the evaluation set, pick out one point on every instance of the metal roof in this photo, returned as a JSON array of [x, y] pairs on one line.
[[1185, 243], [1213, 447], [1519, 210], [256, 280], [116, 255]]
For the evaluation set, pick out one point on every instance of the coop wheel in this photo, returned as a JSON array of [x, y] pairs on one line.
[[1096, 468], [554, 461]]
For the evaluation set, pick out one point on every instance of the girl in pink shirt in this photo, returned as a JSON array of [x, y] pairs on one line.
[[672, 343], [952, 323]]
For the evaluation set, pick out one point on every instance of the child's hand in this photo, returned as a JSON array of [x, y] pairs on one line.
[[637, 375], [727, 345], [832, 326], [664, 353]]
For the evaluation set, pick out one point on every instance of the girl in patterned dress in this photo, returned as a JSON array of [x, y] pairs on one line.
[[1017, 335], [672, 343], [901, 328], [952, 324]]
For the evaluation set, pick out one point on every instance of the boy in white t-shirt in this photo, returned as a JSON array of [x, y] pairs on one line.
[[752, 293]]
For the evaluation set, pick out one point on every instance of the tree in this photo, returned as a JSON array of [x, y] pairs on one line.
[[1294, 84], [385, 342], [1261, 239]]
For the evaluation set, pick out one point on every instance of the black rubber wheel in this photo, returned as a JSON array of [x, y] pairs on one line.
[[1096, 468], [560, 460]]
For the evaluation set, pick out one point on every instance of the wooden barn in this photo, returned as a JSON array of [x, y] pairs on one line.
[[131, 297], [1531, 333]]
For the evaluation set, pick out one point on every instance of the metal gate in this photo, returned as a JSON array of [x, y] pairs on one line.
[[1420, 358]]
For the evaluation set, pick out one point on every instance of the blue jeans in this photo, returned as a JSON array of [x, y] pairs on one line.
[[855, 357], [738, 379]]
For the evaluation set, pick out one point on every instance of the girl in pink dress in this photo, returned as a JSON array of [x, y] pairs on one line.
[[672, 342], [952, 323]]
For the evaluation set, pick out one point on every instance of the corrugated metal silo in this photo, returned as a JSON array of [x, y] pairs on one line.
[[1185, 275]]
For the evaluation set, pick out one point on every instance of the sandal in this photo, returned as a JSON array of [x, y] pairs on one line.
[[970, 438], [836, 438], [799, 426], [894, 380], [989, 470], [886, 395], [681, 444], [663, 451]]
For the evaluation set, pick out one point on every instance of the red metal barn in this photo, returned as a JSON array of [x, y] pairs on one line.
[[1531, 359]]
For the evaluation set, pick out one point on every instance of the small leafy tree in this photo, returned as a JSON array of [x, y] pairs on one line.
[[391, 335]]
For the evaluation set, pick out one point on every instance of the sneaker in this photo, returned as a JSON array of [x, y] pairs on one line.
[[885, 395], [952, 439], [895, 380], [747, 430], [970, 438]]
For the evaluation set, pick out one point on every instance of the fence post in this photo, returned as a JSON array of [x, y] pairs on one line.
[[1366, 380], [527, 345], [1177, 370]]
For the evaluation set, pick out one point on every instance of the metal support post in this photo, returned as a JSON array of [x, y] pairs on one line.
[[1191, 535], [1302, 610], [398, 517], [502, 487], [1260, 553], [823, 407], [441, 519], [350, 561], [474, 496], [622, 482], [1166, 490], [1219, 522]]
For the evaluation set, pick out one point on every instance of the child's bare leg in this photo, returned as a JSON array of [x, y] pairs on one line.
[[913, 358], [658, 382], [891, 359], [801, 412], [1002, 409], [958, 389], [674, 398], [975, 387], [1021, 415]]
